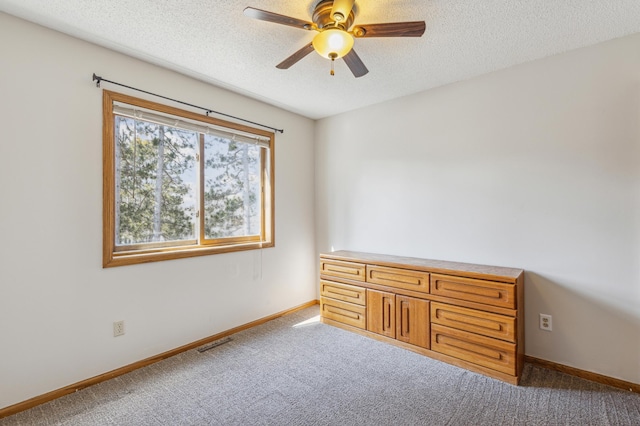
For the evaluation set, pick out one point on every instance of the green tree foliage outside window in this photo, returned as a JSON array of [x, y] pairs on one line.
[[232, 188], [155, 181]]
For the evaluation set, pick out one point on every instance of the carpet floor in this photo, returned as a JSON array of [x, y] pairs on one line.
[[295, 371]]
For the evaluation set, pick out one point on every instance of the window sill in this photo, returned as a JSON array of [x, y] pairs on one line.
[[134, 257]]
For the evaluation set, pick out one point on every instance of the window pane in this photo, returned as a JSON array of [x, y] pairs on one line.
[[155, 182], [232, 201]]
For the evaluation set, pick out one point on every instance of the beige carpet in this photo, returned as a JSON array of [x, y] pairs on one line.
[[287, 373]]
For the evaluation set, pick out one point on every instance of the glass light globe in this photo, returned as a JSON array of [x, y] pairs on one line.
[[333, 42]]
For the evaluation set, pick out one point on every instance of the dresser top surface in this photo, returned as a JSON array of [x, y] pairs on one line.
[[436, 266]]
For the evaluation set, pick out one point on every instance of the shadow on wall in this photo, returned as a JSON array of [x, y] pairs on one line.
[[592, 331]]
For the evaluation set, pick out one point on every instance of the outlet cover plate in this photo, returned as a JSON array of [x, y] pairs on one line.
[[118, 328], [546, 322]]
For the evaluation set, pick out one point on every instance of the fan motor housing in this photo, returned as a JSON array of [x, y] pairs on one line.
[[322, 16]]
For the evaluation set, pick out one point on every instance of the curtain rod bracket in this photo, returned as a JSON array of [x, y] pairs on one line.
[[98, 79]]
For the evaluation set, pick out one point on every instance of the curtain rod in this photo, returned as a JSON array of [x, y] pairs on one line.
[[99, 79]]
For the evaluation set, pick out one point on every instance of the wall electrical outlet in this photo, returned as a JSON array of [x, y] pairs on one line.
[[546, 322], [118, 328]]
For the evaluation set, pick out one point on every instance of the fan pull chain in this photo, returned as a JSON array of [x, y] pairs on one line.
[[333, 57]]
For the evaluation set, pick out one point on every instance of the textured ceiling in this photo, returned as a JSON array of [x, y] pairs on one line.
[[213, 41]]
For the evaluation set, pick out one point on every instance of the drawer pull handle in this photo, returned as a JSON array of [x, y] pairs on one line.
[[469, 347], [467, 319], [341, 270], [405, 279], [342, 312], [347, 293], [387, 313], [405, 319], [466, 289]]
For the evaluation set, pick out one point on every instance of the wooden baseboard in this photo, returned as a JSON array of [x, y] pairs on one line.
[[583, 374], [50, 396]]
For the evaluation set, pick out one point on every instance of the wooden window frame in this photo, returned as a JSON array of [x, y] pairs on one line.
[[143, 253]]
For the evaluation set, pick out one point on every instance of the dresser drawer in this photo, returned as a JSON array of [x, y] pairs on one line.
[[343, 292], [341, 269], [479, 291], [479, 322], [491, 353], [399, 278], [347, 313]]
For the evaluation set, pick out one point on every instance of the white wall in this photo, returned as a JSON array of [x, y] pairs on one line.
[[536, 167], [57, 304]]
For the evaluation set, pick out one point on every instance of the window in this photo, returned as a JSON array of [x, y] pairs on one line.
[[179, 184]]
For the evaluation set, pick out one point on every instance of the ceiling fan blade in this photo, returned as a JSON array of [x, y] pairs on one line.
[[355, 64], [391, 29], [343, 8], [295, 57], [263, 15]]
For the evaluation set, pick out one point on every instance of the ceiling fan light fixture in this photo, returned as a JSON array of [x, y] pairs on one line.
[[333, 43], [332, 19]]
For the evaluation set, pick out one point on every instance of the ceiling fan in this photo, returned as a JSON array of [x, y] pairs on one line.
[[333, 20]]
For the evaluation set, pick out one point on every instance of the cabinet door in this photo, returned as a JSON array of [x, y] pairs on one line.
[[412, 321], [381, 316]]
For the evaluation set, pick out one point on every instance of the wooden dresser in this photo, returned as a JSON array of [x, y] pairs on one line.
[[471, 316]]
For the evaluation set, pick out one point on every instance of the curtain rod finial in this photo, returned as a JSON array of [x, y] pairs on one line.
[[97, 79]]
